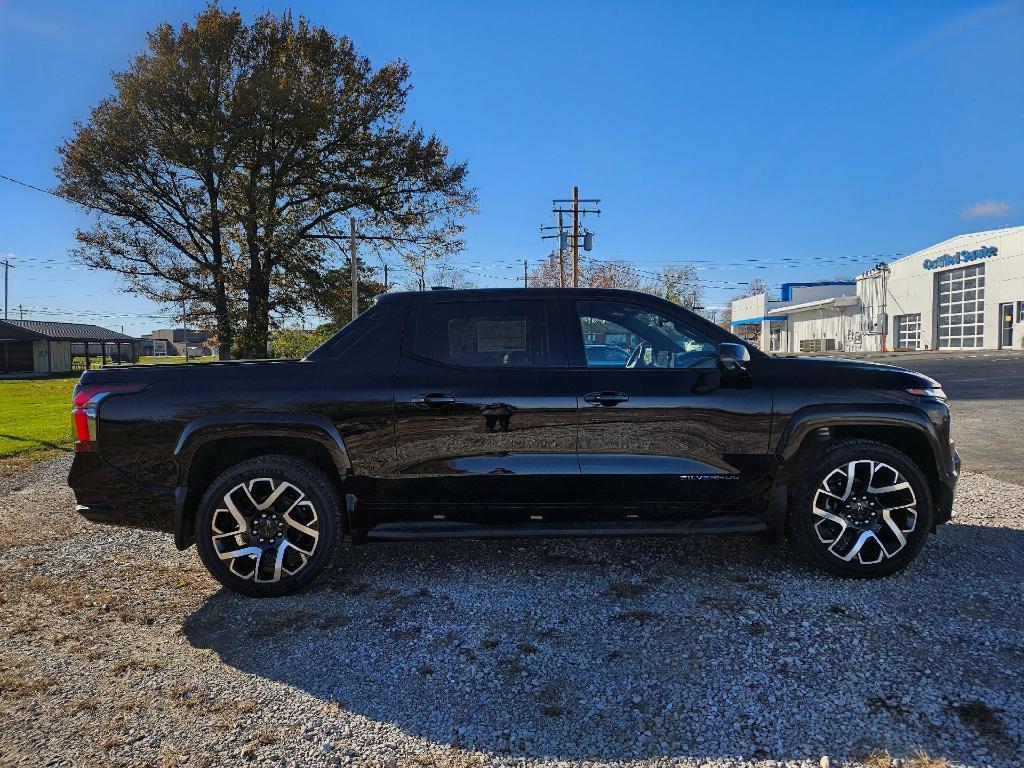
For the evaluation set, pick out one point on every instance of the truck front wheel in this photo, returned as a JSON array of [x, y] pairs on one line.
[[862, 509], [268, 526]]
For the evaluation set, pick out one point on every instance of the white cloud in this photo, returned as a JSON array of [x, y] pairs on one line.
[[986, 208]]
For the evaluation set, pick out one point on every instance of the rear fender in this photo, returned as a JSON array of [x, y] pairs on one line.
[[258, 426]]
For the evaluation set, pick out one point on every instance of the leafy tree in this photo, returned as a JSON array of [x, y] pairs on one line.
[[296, 342], [152, 164], [231, 158], [334, 296], [325, 140]]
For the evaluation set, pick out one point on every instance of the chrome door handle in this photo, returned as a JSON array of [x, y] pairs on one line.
[[432, 399], [606, 398]]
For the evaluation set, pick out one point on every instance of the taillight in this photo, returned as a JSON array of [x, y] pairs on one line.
[[85, 403]]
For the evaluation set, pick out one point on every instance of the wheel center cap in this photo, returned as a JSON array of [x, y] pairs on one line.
[[266, 527]]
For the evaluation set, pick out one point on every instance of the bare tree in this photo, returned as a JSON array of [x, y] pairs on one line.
[[678, 283], [546, 274], [616, 273]]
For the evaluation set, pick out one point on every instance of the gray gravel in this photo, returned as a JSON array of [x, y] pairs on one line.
[[118, 650]]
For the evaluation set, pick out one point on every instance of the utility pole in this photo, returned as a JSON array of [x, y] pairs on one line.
[[184, 329], [21, 312], [884, 269], [561, 253], [560, 234], [7, 266], [576, 212], [575, 237], [353, 266], [525, 278]]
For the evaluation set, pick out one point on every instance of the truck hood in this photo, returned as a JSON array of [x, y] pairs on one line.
[[854, 373]]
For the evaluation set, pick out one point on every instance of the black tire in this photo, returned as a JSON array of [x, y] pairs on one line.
[[826, 528], [290, 556]]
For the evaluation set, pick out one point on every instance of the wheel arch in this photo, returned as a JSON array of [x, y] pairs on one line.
[[907, 430], [211, 444]]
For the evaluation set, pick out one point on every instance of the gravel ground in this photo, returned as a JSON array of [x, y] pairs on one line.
[[118, 650]]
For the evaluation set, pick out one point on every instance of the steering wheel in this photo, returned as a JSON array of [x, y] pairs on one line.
[[637, 355]]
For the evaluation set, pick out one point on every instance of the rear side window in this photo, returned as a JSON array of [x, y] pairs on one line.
[[484, 334]]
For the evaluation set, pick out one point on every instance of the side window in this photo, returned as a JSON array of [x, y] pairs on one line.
[[481, 334], [623, 335]]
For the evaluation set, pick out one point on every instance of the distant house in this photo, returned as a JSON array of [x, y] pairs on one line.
[[40, 346]]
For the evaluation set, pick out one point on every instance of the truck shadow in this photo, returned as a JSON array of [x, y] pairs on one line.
[[35, 444], [626, 649]]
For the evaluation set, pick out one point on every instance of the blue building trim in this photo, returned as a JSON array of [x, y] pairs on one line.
[[787, 288], [751, 320]]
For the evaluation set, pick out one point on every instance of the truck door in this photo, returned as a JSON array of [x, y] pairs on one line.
[[670, 433], [485, 412]]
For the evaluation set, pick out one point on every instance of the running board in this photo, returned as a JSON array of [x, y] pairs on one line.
[[437, 530]]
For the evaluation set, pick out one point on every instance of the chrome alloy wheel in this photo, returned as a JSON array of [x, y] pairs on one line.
[[266, 529], [867, 508]]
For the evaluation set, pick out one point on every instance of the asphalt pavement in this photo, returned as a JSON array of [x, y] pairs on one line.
[[986, 395]]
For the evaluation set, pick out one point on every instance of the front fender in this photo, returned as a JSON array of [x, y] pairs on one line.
[[933, 426]]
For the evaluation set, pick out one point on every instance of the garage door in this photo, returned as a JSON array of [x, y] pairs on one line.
[[908, 331], [961, 320], [16, 357]]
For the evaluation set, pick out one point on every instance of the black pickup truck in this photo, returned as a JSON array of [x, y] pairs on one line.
[[515, 412]]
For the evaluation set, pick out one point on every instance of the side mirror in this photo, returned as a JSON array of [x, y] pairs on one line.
[[732, 351]]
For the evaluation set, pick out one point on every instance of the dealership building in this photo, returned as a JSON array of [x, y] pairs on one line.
[[963, 293]]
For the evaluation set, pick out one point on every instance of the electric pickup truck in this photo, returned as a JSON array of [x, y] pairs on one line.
[[478, 413]]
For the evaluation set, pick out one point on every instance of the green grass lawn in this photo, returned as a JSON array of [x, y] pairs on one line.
[[35, 415]]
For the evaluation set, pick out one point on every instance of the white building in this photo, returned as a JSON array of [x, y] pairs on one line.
[[965, 292], [765, 321]]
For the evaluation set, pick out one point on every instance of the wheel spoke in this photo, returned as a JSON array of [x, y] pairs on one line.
[[274, 496], [302, 527], [864, 537], [894, 529], [851, 473], [241, 552], [889, 488], [233, 510]]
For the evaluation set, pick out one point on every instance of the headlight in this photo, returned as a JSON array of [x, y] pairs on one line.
[[935, 392]]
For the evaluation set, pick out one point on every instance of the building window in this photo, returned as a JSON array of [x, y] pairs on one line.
[[1020, 311], [908, 331], [961, 316]]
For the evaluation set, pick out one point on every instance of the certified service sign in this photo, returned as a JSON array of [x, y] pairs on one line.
[[960, 257]]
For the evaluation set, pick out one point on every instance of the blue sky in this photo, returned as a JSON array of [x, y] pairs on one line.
[[788, 141]]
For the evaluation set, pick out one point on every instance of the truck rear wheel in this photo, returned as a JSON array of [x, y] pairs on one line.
[[862, 510], [268, 526]]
